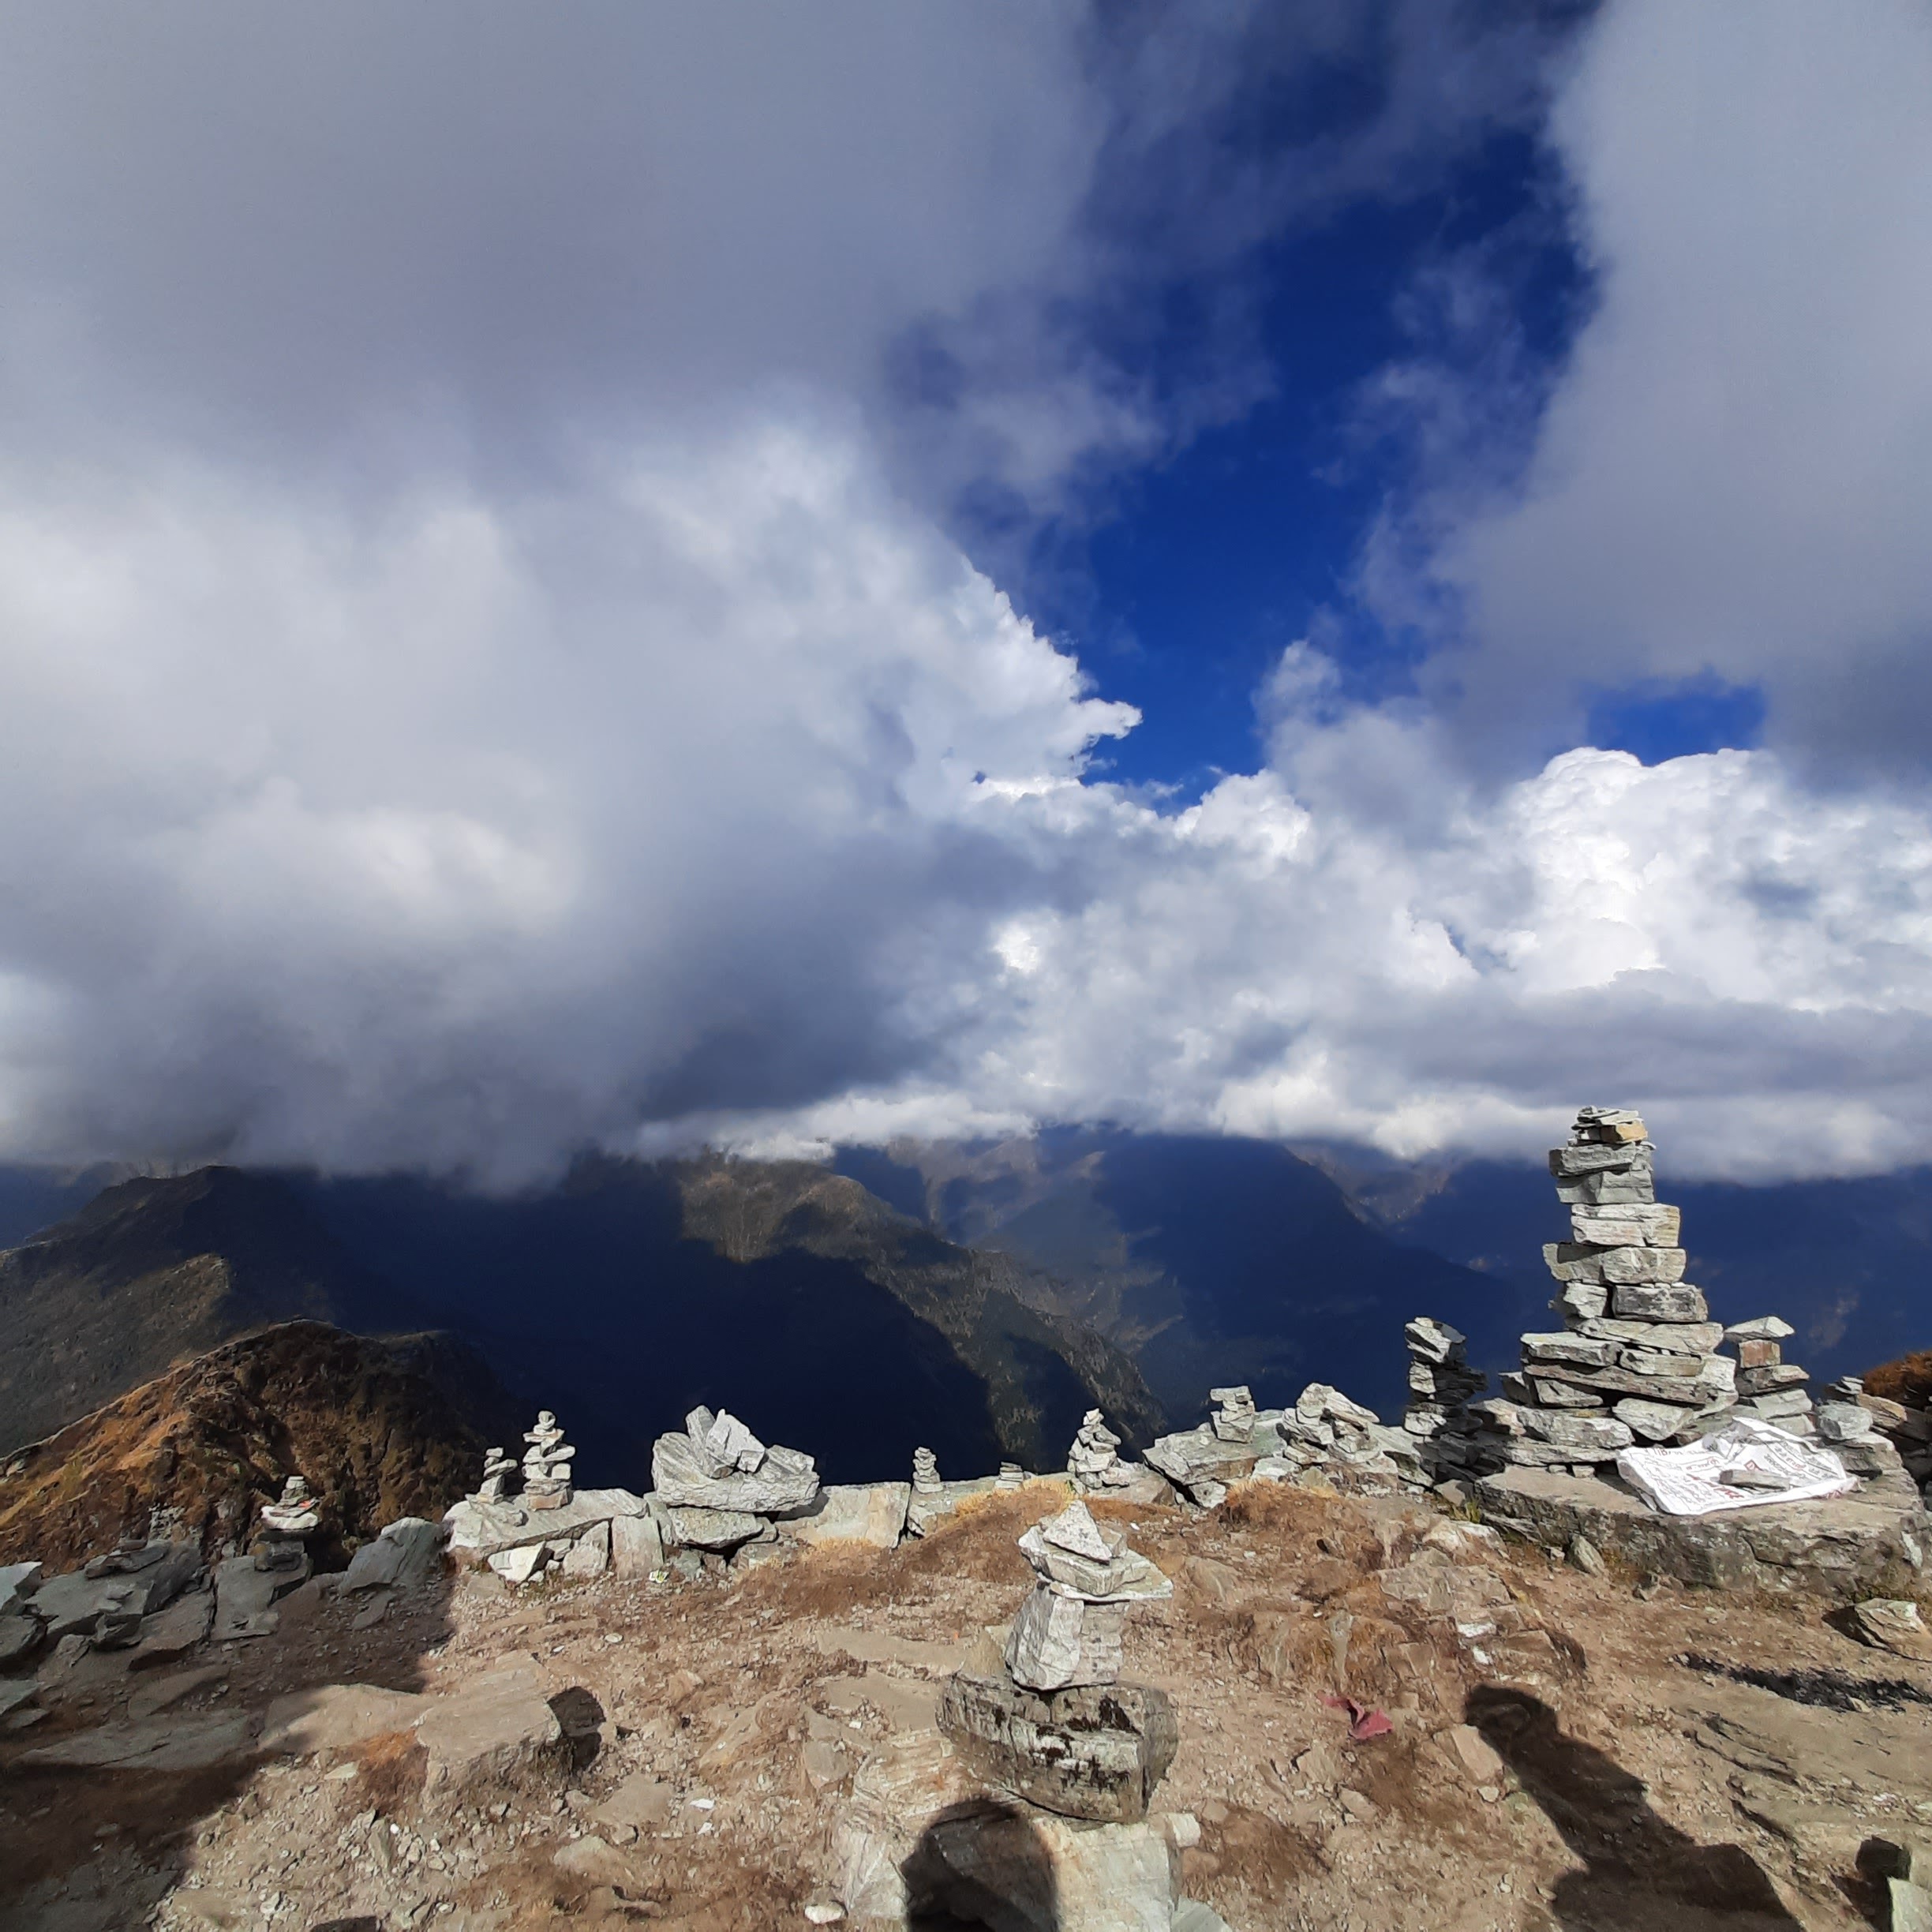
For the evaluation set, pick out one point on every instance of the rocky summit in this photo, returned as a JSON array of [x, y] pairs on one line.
[[1584, 1654]]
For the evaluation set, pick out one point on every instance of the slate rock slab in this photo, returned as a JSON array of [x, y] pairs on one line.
[[1093, 1751], [192, 1743], [20, 1637], [1843, 1547], [337, 1718], [497, 1732], [408, 1554], [245, 1597]]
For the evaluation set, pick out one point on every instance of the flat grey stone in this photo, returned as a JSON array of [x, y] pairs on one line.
[[174, 1631], [872, 1513], [20, 1637], [498, 1732], [487, 1528], [712, 1529], [1057, 1640], [1839, 1548], [1093, 1752], [245, 1597], [18, 1582]]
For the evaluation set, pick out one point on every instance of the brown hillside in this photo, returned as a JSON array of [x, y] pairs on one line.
[[1906, 1380], [154, 1271], [368, 1422]]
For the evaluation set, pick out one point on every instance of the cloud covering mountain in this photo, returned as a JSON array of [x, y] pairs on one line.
[[509, 527]]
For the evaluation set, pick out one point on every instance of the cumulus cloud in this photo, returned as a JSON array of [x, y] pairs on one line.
[[484, 671], [1729, 477], [1293, 957]]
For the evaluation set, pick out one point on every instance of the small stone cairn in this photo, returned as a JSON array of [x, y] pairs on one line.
[[546, 1464], [1852, 1424], [1334, 1439], [926, 1480], [1441, 1387], [287, 1523], [1768, 1386], [1050, 1719], [1234, 1414], [1094, 1462], [1636, 1360], [497, 1470]]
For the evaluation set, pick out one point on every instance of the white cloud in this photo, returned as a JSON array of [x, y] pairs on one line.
[[482, 673], [1730, 477]]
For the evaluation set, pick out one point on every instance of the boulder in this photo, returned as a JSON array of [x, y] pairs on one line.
[[484, 1527], [873, 1513], [1894, 1624], [20, 1637], [244, 1594], [17, 1582], [407, 1554], [1090, 1751], [590, 1555], [637, 1546], [1843, 1547], [497, 1732], [688, 1470], [1201, 1465], [336, 1718]]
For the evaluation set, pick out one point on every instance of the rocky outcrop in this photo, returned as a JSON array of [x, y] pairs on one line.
[[1870, 1543]]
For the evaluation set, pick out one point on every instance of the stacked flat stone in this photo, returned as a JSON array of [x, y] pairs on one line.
[[926, 1477], [1094, 1460], [497, 1470], [1049, 1718], [1011, 1477], [1068, 1630], [1441, 1387], [546, 1464], [287, 1523], [720, 1487], [1234, 1414], [1636, 1358], [1768, 1386], [1906, 1426], [1849, 1425]]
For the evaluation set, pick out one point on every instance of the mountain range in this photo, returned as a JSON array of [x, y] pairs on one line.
[[973, 1299]]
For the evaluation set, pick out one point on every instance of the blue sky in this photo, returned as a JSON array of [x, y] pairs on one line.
[[637, 579]]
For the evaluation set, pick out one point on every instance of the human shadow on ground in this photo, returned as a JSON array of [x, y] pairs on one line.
[[1639, 1872], [981, 1863]]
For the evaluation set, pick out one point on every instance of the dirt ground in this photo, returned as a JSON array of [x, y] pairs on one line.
[[1566, 1750]]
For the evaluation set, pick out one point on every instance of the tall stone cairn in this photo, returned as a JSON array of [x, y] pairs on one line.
[[926, 1477], [1636, 1359], [1441, 1386]]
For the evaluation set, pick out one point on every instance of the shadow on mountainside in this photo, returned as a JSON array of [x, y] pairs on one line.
[[1640, 1875]]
